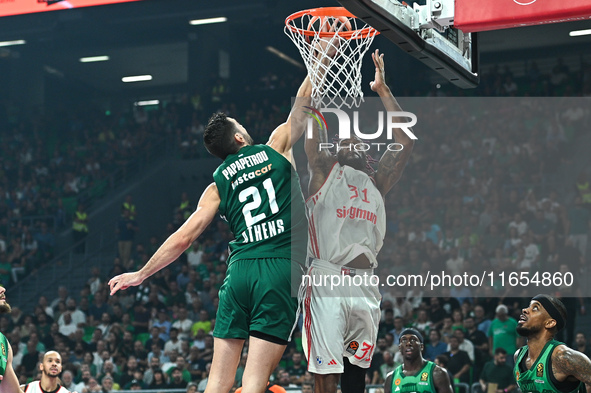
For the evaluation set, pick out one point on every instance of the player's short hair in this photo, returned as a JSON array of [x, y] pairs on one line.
[[219, 136]]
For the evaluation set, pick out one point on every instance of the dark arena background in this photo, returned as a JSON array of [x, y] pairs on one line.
[[102, 113]]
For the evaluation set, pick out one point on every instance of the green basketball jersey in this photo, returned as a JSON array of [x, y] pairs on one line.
[[421, 382], [262, 201], [3, 355], [537, 378]]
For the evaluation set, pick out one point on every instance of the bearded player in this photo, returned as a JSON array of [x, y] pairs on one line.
[[416, 374], [8, 379], [545, 365], [346, 232], [51, 368]]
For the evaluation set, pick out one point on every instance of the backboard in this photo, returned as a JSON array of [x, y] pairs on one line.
[[423, 31]]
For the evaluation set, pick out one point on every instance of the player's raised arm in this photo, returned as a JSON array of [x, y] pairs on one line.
[[176, 243], [392, 163], [288, 133]]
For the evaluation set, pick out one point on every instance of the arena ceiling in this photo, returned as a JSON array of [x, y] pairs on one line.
[[154, 37]]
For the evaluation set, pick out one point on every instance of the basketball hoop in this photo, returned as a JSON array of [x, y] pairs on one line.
[[332, 42]]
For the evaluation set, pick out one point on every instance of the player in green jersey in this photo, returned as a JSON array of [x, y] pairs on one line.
[[416, 374], [257, 191], [545, 365], [8, 380]]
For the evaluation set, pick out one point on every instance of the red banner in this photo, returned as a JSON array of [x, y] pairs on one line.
[[17, 7], [484, 15]]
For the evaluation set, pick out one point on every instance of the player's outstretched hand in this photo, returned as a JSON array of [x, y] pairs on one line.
[[379, 81], [124, 281]]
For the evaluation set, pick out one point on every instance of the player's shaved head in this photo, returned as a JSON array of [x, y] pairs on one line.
[[51, 353]]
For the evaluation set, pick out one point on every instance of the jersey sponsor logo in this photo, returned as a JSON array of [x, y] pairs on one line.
[[250, 175], [3, 349], [397, 382], [517, 374], [425, 376], [319, 360], [352, 347], [263, 231], [357, 213], [332, 363], [540, 370], [244, 162]]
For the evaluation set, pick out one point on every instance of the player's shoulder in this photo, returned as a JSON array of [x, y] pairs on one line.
[[562, 351], [31, 387]]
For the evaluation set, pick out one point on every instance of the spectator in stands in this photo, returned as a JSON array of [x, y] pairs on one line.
[[463, 344], [502, 333], [480, 342], [105, 324], [67, 327], [191, 387], [173, 343], [183, 324], [398, 327], [205, 377], [141, 318], [106, 384], [435, 346], [459, 361], [207, 352], [387, 366], [85, 377], [163, 325], [480, 319], [126, 229], [62, 296], [68, 381], [387, 322], [131, 366], [297, 368], [499, 373], [154, 338], [80, 228], [31, 358], [581, 344], [203, 323], [134, 384], [158, 381], [158, 352], [181, 364], [196, 364], [175, 296], [436, 313], [5, 270]]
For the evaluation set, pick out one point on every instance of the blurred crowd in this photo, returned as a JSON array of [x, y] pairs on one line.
[[478, 195]]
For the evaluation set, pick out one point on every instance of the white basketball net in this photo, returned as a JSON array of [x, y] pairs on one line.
[[333, 62]]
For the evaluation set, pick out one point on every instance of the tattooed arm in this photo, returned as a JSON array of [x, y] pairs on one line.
[[441, 380], [568, 364], [392, 163]]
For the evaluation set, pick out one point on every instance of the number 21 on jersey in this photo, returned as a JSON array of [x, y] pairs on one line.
[[253, 192]]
